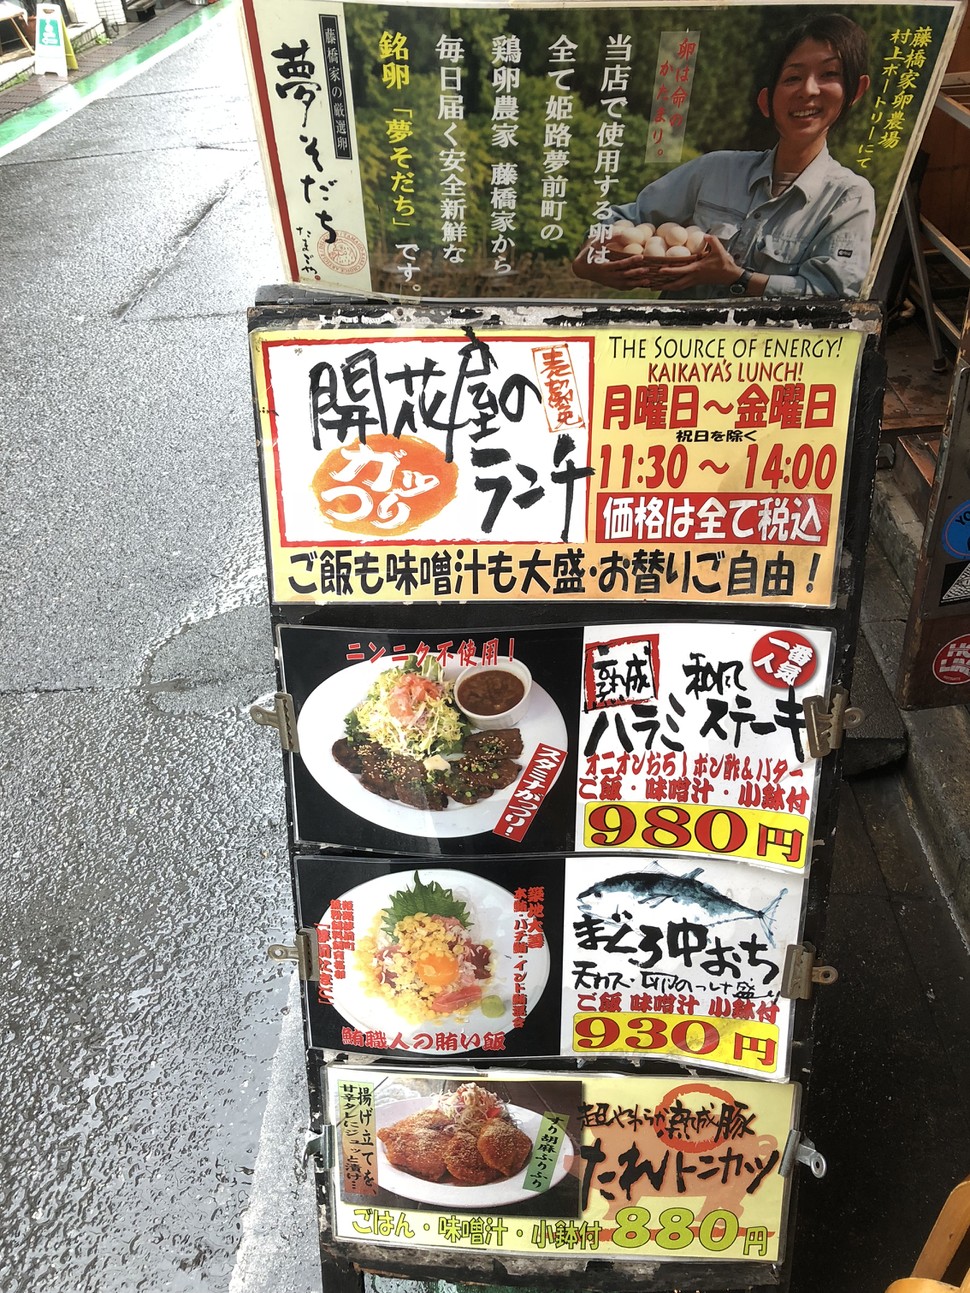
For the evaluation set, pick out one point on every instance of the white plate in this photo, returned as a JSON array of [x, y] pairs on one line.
[[492, 919], [450, 1194], [321, 724]]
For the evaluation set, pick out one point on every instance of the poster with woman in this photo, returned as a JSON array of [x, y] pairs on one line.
[[693, 152]]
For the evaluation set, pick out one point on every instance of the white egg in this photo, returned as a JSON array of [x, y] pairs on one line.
[[632, 249], [678, 252], [674, 235], [621, 224], [695, 238], [655, 247], [645, 231]]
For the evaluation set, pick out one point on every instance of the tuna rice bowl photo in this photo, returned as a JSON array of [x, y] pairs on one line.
[[434, 950]]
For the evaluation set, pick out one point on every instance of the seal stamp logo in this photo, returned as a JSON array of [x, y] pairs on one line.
[[346, 255], [952, 663], [783, 658]]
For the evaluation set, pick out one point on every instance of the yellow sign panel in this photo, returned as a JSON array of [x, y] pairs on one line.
[[741, 1043], [672, 465], [714, 830], [615, 1167]]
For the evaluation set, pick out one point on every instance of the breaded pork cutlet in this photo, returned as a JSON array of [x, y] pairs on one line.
[[424, 1120], [420, 1151], [465, 1163], [503, 1147]]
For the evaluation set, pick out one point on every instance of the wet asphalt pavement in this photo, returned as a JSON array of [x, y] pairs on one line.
[[150, 1076], [151, 1086]]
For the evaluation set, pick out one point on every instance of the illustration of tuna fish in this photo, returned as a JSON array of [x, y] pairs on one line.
[[651, 888]]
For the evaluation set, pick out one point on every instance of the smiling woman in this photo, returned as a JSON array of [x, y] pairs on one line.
[[788, 222]]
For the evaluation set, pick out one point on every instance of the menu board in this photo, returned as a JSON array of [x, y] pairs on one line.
[[656, 957], [602, 1166], [693, 465], [679, 737], [551, 591]]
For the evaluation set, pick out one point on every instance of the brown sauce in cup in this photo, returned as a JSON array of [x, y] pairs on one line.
[[493, 691]]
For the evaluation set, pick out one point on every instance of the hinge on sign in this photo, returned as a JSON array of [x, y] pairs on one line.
[[321, 1146], [282, 716], [304, 953], [799, 1149], [801, 972], [827, 721]]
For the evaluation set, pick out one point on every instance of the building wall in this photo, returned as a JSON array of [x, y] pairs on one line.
[[945, 191]]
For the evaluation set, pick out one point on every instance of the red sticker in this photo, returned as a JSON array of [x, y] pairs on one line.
[[952, 663], [784, 658]]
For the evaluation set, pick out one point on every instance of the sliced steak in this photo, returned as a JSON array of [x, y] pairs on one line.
[[396, 776], [463, 791], [505, 743], [347, 755], [422, 794]]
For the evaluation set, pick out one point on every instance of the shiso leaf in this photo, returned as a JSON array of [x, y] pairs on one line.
[[431, 899]]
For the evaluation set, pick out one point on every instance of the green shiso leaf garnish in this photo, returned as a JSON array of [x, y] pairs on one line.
[[431, 899]]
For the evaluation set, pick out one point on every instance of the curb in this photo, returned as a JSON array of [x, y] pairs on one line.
[[125, 56]]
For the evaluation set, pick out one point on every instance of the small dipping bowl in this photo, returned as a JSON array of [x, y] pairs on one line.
[[510, 715]]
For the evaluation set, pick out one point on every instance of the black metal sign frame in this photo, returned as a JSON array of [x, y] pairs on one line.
[[287, 309]]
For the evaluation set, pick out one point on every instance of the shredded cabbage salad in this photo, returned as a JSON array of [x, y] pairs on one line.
[[410, 711], [470, 1098]]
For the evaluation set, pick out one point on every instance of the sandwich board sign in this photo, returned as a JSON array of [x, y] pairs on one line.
[[559, 742], [53, 52]]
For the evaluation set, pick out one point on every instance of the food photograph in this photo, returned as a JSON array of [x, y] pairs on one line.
[[476, 1144], [433, 748], [429, 741], [426, 962]]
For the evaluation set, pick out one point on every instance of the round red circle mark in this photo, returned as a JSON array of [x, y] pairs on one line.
[[784, 658], [345, 255], [694, 1117], [952, 663], [386, 487]]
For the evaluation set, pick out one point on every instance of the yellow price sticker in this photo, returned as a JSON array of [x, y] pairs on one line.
[[738, 1043], [780, 838]]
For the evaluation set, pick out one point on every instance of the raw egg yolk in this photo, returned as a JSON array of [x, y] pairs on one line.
[[437, 971]]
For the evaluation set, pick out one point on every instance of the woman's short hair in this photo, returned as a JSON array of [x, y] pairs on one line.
[[845, 37]]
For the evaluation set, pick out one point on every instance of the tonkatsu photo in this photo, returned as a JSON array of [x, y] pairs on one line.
[[481, 1144], [465, 1138]]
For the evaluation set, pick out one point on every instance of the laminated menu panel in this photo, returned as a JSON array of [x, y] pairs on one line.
[[609, 1180], [657, 958]]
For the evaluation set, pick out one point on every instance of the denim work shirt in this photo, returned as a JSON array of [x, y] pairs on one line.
[[815, 239]]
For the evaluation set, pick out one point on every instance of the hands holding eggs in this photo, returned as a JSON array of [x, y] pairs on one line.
[[669, 241], [669, 257]]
